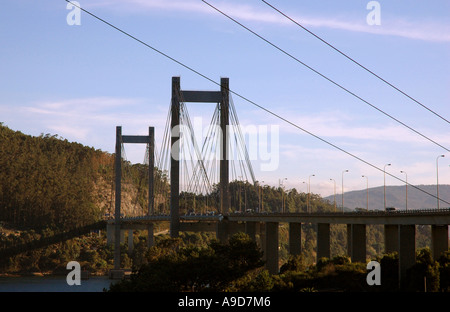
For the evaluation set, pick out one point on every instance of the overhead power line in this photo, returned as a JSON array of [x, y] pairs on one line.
[[354, 61], [325, 77], [254, 103]]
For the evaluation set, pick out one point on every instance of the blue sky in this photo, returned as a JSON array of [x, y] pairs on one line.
[[81, 81]]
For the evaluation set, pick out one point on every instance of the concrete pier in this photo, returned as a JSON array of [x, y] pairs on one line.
[[295, 238], [357, 242], [250, 229], [272, 247], [391, 238], [407, 248], [323, 240], [439, 240]]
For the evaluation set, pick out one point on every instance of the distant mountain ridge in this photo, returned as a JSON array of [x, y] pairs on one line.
[[395, 197]]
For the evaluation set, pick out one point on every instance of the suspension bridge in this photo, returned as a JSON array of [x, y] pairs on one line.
[[183, 171]]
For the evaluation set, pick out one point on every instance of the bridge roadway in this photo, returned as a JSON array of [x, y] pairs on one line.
[[398, 217], [399, 230]]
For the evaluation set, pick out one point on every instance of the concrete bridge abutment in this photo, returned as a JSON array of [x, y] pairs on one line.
[[391, 238], [356, 242], [295, 238], [271, 242], [439, 240], [323, 240]]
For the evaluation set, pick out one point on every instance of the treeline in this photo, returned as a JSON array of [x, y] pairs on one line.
[[49, 182], [245, 196], [46, 181], [89, 250]]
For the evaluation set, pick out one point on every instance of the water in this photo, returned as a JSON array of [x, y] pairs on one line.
[[52, 284]]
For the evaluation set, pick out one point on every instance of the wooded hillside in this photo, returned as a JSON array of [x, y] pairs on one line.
[[46, 181]]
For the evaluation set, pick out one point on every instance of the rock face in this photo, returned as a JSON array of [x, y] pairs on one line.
[[104, 196]]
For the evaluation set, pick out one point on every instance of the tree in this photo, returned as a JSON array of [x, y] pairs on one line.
[[389, 272], [294, 263], [424, 275], [444, 271], [193, 268]]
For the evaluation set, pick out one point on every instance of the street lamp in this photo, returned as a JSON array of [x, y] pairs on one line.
[[343, 189], [367, 181], [384, 170], [280, 181], [261, 204], [306, 195], [334, 193], [241, 179], [406, 186], [309, 191], [437, 178]]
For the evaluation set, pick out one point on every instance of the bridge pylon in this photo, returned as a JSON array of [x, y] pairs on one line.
[[222, 98], [120, 139]]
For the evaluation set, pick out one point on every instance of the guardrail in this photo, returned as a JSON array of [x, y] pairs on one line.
[[216, 216]]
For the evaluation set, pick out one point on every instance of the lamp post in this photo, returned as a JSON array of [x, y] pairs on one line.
[[384, 170], [306, 195], [334, 193], [406, 186], [343, 189], [261, 197], [240, 193], [280, 181], [309, 191], [367, 188], [437, 179]]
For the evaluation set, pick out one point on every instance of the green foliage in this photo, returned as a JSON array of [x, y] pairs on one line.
[[90, 251], [294, 263], [444, 271], [47, 182], [191, 268], [424, 275], [389, 273]]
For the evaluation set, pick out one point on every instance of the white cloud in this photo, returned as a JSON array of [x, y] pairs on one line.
[[399, 27], [90, 121]]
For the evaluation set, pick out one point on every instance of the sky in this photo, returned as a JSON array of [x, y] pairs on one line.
[[80, 78]]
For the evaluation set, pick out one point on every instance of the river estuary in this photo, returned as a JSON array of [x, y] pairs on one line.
[[52, 284]]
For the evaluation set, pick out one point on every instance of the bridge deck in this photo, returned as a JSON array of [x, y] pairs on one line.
[[423, 217]]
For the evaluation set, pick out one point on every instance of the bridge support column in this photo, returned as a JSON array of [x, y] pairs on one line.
[[358, 242], [150, 236], [222, 231], [109, 234], [407, 249], [272, 247], [349, 240], [390, 238], [323, 240], [118, 175], [250, 229], [262, 239], [235, 227], [295, 238], [174, 160], [439, 240], [130, 241], [225, 200]]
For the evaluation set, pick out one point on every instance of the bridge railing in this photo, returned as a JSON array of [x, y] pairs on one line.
[[215, 216]]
